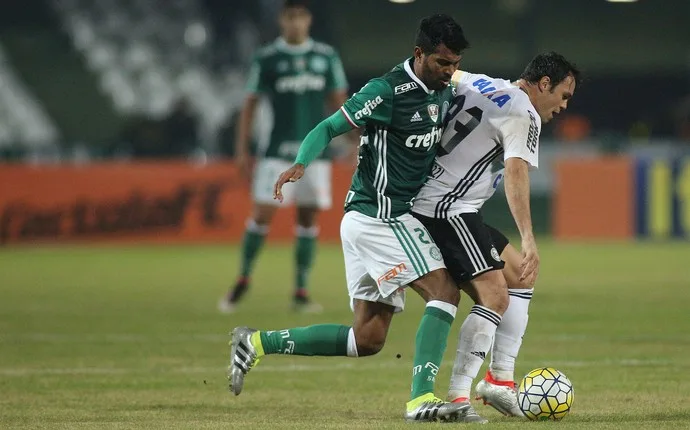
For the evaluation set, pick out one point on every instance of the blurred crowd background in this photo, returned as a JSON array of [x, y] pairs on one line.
[[85, 81], [93, 79]]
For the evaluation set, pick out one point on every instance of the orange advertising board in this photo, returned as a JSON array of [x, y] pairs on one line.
[[152, 202], [593, 198]]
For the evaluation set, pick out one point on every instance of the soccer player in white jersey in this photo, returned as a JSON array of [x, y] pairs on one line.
[[491, 133]]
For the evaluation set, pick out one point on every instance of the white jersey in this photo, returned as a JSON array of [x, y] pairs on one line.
[[489, 121]]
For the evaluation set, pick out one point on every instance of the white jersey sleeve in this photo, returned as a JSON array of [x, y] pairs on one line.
[[519, 135]]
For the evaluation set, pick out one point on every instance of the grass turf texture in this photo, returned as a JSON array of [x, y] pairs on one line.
[[118, 337]]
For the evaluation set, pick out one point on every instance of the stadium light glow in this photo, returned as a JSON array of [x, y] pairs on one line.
[[401, 1], [621, 1]]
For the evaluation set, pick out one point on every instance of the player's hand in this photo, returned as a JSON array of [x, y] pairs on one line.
[[243, 164], [529, 268], [293, 174]]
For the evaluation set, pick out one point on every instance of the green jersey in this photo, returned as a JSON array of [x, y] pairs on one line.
[[403, 126], [297, 80]]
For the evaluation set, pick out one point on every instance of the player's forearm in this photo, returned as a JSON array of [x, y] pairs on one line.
[[518, 195], [317, 139], [244, 125]]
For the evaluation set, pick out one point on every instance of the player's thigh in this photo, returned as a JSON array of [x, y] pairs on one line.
[[314, 189], [360, 285], [512, 258], [265, 175], [512, 271], [466, 245], [393, 253]]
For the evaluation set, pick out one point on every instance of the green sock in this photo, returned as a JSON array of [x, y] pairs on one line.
[[251, 245], [430, 345], [321, 339], [304, 255]]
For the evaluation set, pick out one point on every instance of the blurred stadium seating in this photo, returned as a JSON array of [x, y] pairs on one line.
[[22, 117], [147, 57]]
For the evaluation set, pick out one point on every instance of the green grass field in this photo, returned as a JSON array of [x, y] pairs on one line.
[[129, 337]]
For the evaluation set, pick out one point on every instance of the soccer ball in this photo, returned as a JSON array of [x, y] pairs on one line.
[[545, 394]]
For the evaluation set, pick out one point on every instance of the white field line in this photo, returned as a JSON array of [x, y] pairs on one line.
[[219, 337], [351, 365]]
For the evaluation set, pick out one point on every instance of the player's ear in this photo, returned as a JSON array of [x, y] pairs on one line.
[[418, 52], [545, 83]]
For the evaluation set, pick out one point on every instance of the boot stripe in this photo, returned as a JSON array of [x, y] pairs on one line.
[[243, 347], [241, 365]]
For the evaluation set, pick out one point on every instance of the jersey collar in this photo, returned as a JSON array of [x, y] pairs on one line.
[[414, 77], [302, 48]]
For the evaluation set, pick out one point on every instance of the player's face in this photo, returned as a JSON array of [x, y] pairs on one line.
[[437, 68], [295, 23], [552, 100]]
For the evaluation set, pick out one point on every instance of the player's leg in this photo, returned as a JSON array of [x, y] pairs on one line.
[[471, 258], [511, 330], [477, 333], [498, 387], [312, 194], [373, 314], [412, 258], [257, 227]]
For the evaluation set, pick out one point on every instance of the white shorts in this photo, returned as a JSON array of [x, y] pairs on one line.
[[312, 190], [383, 256]]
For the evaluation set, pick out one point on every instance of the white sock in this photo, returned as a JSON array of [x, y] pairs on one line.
[[474, 343], [351, 344], [509, 334], [256, 228], [312, 231]]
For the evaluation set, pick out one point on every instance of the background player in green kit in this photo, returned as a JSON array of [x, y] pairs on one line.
[[385, 248], [299, 76]]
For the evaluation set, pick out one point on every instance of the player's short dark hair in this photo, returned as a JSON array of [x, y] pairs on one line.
[[296, 3], [440, 29], [553, 65]]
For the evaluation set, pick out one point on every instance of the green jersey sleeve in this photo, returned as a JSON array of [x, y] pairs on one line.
[[256, 79], [336, 80], [372, 104], [320, 136]]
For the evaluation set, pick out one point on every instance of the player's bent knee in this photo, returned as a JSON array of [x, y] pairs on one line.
[[263, 214], [491, 291], [370, 328], [369, 341], [306, 216], [437, 285]]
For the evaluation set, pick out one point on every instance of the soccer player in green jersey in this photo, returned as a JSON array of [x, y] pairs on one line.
[[385, 248], [300, 77]]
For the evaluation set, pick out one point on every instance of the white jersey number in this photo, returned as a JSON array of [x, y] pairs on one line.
[[462, 129]]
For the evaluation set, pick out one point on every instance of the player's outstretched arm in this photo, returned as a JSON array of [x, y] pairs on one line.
[[315, 142], [517, 192]]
